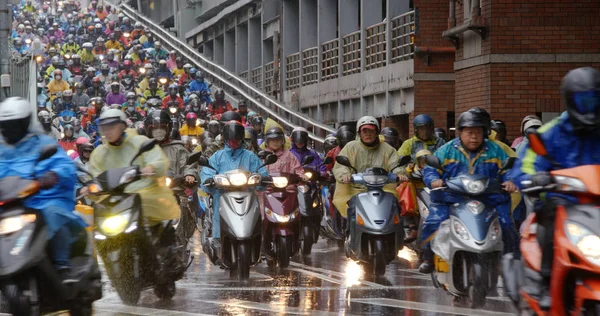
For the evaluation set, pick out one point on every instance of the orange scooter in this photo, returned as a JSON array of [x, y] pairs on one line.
[[575, 282]]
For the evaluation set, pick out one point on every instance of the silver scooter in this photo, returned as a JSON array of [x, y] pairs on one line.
[[240, 218], [468, 246], [377, 231]]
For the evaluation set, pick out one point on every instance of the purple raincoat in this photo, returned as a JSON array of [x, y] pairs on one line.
[[300, 153]]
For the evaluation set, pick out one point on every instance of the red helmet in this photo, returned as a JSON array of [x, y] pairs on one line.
[[127, 63], [81, 141], [96, 79], [190, 119]]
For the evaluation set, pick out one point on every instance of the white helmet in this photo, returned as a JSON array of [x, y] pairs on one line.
[[14, 108], [112, 116], [532, 123], [367, 120]]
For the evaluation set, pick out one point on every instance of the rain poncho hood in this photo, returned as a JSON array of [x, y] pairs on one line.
[[57, 203], [362, 157], [158, 201]]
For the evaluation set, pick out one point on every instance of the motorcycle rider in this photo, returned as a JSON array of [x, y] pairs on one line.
[[198, 85], [220, 105], [79, 133], [119, 147], [440, 133], [391, 137], [300, 149], [163, 71], [19, 149], [113, 43], [214, 129], [521, 138], [423, 139], [93, 111], [173, 90], [530, 125], [115, 96], [233, 156], [46, 121], [328, 145], [343, 136], [218, 142], [470, 153], [96, 90], [67, 102], [286, 161], [576, 129], [499, 127], [190, 128], [178, 69], [76, 68], [153, 91], [68, 141], [243, 110], [127, 71], [57, 84], [130, 108], [82, 162], [366, 152], [80, 98]]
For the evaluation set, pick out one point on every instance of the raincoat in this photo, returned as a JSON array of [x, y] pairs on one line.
[[178, 156], [411, 146], [158, 201], [56, 86], [112, 98], [187, 131], [270, 123], [362, 157], [225, 160], [333, 154], [300, 153], [57, 203], [197, 86], [286, 162], [515, 197]]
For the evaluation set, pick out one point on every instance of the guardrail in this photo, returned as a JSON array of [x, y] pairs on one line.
[[245, 89], [403, 37]]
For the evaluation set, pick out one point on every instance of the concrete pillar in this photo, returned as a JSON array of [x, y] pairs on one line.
[[308, 24], [328, 20], [254, 44], [290, 39], [208, 48], [219, 50], [241, 48]]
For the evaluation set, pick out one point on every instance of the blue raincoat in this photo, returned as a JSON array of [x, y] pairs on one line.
[[57, 203], [225, 160], [300, 153]]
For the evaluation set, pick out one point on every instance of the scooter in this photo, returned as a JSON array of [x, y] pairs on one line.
[[187, 204], [377, 232], [239, 217], [412, 209], [333, 224], [468, 246], [309, 204], [575, 282], [136, 255], [28, 279]]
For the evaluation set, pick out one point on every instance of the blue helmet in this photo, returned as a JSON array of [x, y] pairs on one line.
[[422, 120]]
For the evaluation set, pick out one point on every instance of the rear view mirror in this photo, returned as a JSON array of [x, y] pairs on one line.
[[433, 161], [328, 160], [193, 158], [263, 154], [536, 143], [404, 160], [307, 160], [270, 159], [47, 152], [343, 160]]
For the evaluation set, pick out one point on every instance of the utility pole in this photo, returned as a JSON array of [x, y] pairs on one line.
[[4, 51]]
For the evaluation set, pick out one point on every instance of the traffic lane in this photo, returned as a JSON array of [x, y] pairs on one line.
[[327, 283]]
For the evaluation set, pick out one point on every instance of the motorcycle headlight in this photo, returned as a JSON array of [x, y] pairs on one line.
[[39, 59], [495, 232], [13, 224], [116, 224], [238, 179], [70, 152], [375, 180], [460, 229], [67, 56], [281, 218], [194, 141], [221, 180], [280, 182], [28, 41], [474, 186], [568, 184], [475, 207], [126, 35], [308, 175], [168, 181], [254, 179], [162, 80], [172, 110], [128, 176], [586, 241], [142, 70], [101, 57], [198, 122]]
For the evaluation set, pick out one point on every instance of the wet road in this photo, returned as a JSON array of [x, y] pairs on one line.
[[329, 285]]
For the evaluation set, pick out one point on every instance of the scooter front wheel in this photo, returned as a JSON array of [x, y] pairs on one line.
[[283, 253], [379, 261], [308, 241], [243, 260]]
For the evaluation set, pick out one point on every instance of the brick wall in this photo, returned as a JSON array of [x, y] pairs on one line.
[[435, 98]]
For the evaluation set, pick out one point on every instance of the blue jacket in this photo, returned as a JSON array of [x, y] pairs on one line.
[[565, 147], [197, 85], [301, 153], [57, 203], [457, 160], [228, 159]]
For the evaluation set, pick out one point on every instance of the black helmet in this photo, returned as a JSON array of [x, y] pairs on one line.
[[580, 89], [391, 136], [274, 133], [440, 133], [475, 117], [156, 119], [230, 116], [344, 137], [497, 125], [258, 121], [233, 130], [300, 135], [220, 94], [206, 143], [329, 143]]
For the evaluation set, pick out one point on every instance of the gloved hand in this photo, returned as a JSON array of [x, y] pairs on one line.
[[48, 180]]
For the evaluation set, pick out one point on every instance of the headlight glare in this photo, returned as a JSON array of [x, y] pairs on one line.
[[280, 182], [15, 223], [116, 224], [237, 179], [473, 186], [586, 241]]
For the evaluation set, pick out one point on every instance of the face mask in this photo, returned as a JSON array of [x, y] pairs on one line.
[[159, 134], [195, 108], [131, 108], [58, 77]]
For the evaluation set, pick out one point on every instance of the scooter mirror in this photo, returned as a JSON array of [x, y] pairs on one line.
[[307, 160], [47, 152], [509, 163], [270, 159], [263, 154], [343, 160], [404, 160], [434, 162], [194, 158], [203, 161], [327, 161], [536, 143]]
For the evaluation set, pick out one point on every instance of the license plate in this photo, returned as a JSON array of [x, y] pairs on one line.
[[441, 265]]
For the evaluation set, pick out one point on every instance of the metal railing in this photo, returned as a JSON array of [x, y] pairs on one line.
[[244, 75], [20, 71], [292, 71], [219, 73], [403, 37], [351, 53], [330, 59], [270, 86], [375, 45], [310, 66]]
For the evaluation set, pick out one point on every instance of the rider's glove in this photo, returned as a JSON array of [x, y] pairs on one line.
[[48, 180]]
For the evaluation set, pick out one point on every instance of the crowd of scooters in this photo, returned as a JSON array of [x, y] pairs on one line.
[[158, 159]]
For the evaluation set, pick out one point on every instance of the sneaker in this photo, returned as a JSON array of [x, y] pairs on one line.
[[66, 275], [426, 267]]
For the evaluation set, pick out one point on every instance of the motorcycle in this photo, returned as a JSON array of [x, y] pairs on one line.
[[153, 105], [191, 142], [309, 200], [187, 203], [176, 115], [378, 232], [333, 224], [28, 279], [575, 282], [240, 219], [136, 255], [414, 212], [468, 246]]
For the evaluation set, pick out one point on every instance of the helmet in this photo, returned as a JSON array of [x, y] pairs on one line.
[[391, 136], [533, 123], [344, 136], [127, 63], [152, 82], [220, 94], [498, 126], [193, 71], [67, 95], [112, 116], [191, 118], [15, 117], [233, 130], [68, 130], [274, 133], [440, 133], [300, 135], [206, 143], [131, 95], [257, 121], [330, 143], [162, 62], [527, 119], [187, 67], [44, 117], [104, 67], [173, 89], [422, 153], [231, 116], [61, 63], [367, 120], [580, 89], [475, 117], [115, 86], [158, 119]]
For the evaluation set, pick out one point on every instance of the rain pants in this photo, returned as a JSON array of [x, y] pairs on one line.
[[158, 201], [362, 157], [57, 203], [225, 160]]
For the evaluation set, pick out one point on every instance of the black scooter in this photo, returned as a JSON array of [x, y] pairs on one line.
[[28, 279]]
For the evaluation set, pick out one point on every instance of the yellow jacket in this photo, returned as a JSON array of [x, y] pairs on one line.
[[58, 86], [87, 57], [515, 197], [186, 131], [113, 45]]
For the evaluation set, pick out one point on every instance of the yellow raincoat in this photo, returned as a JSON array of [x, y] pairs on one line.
[[362, 157], [515, 197], [158, 201]]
